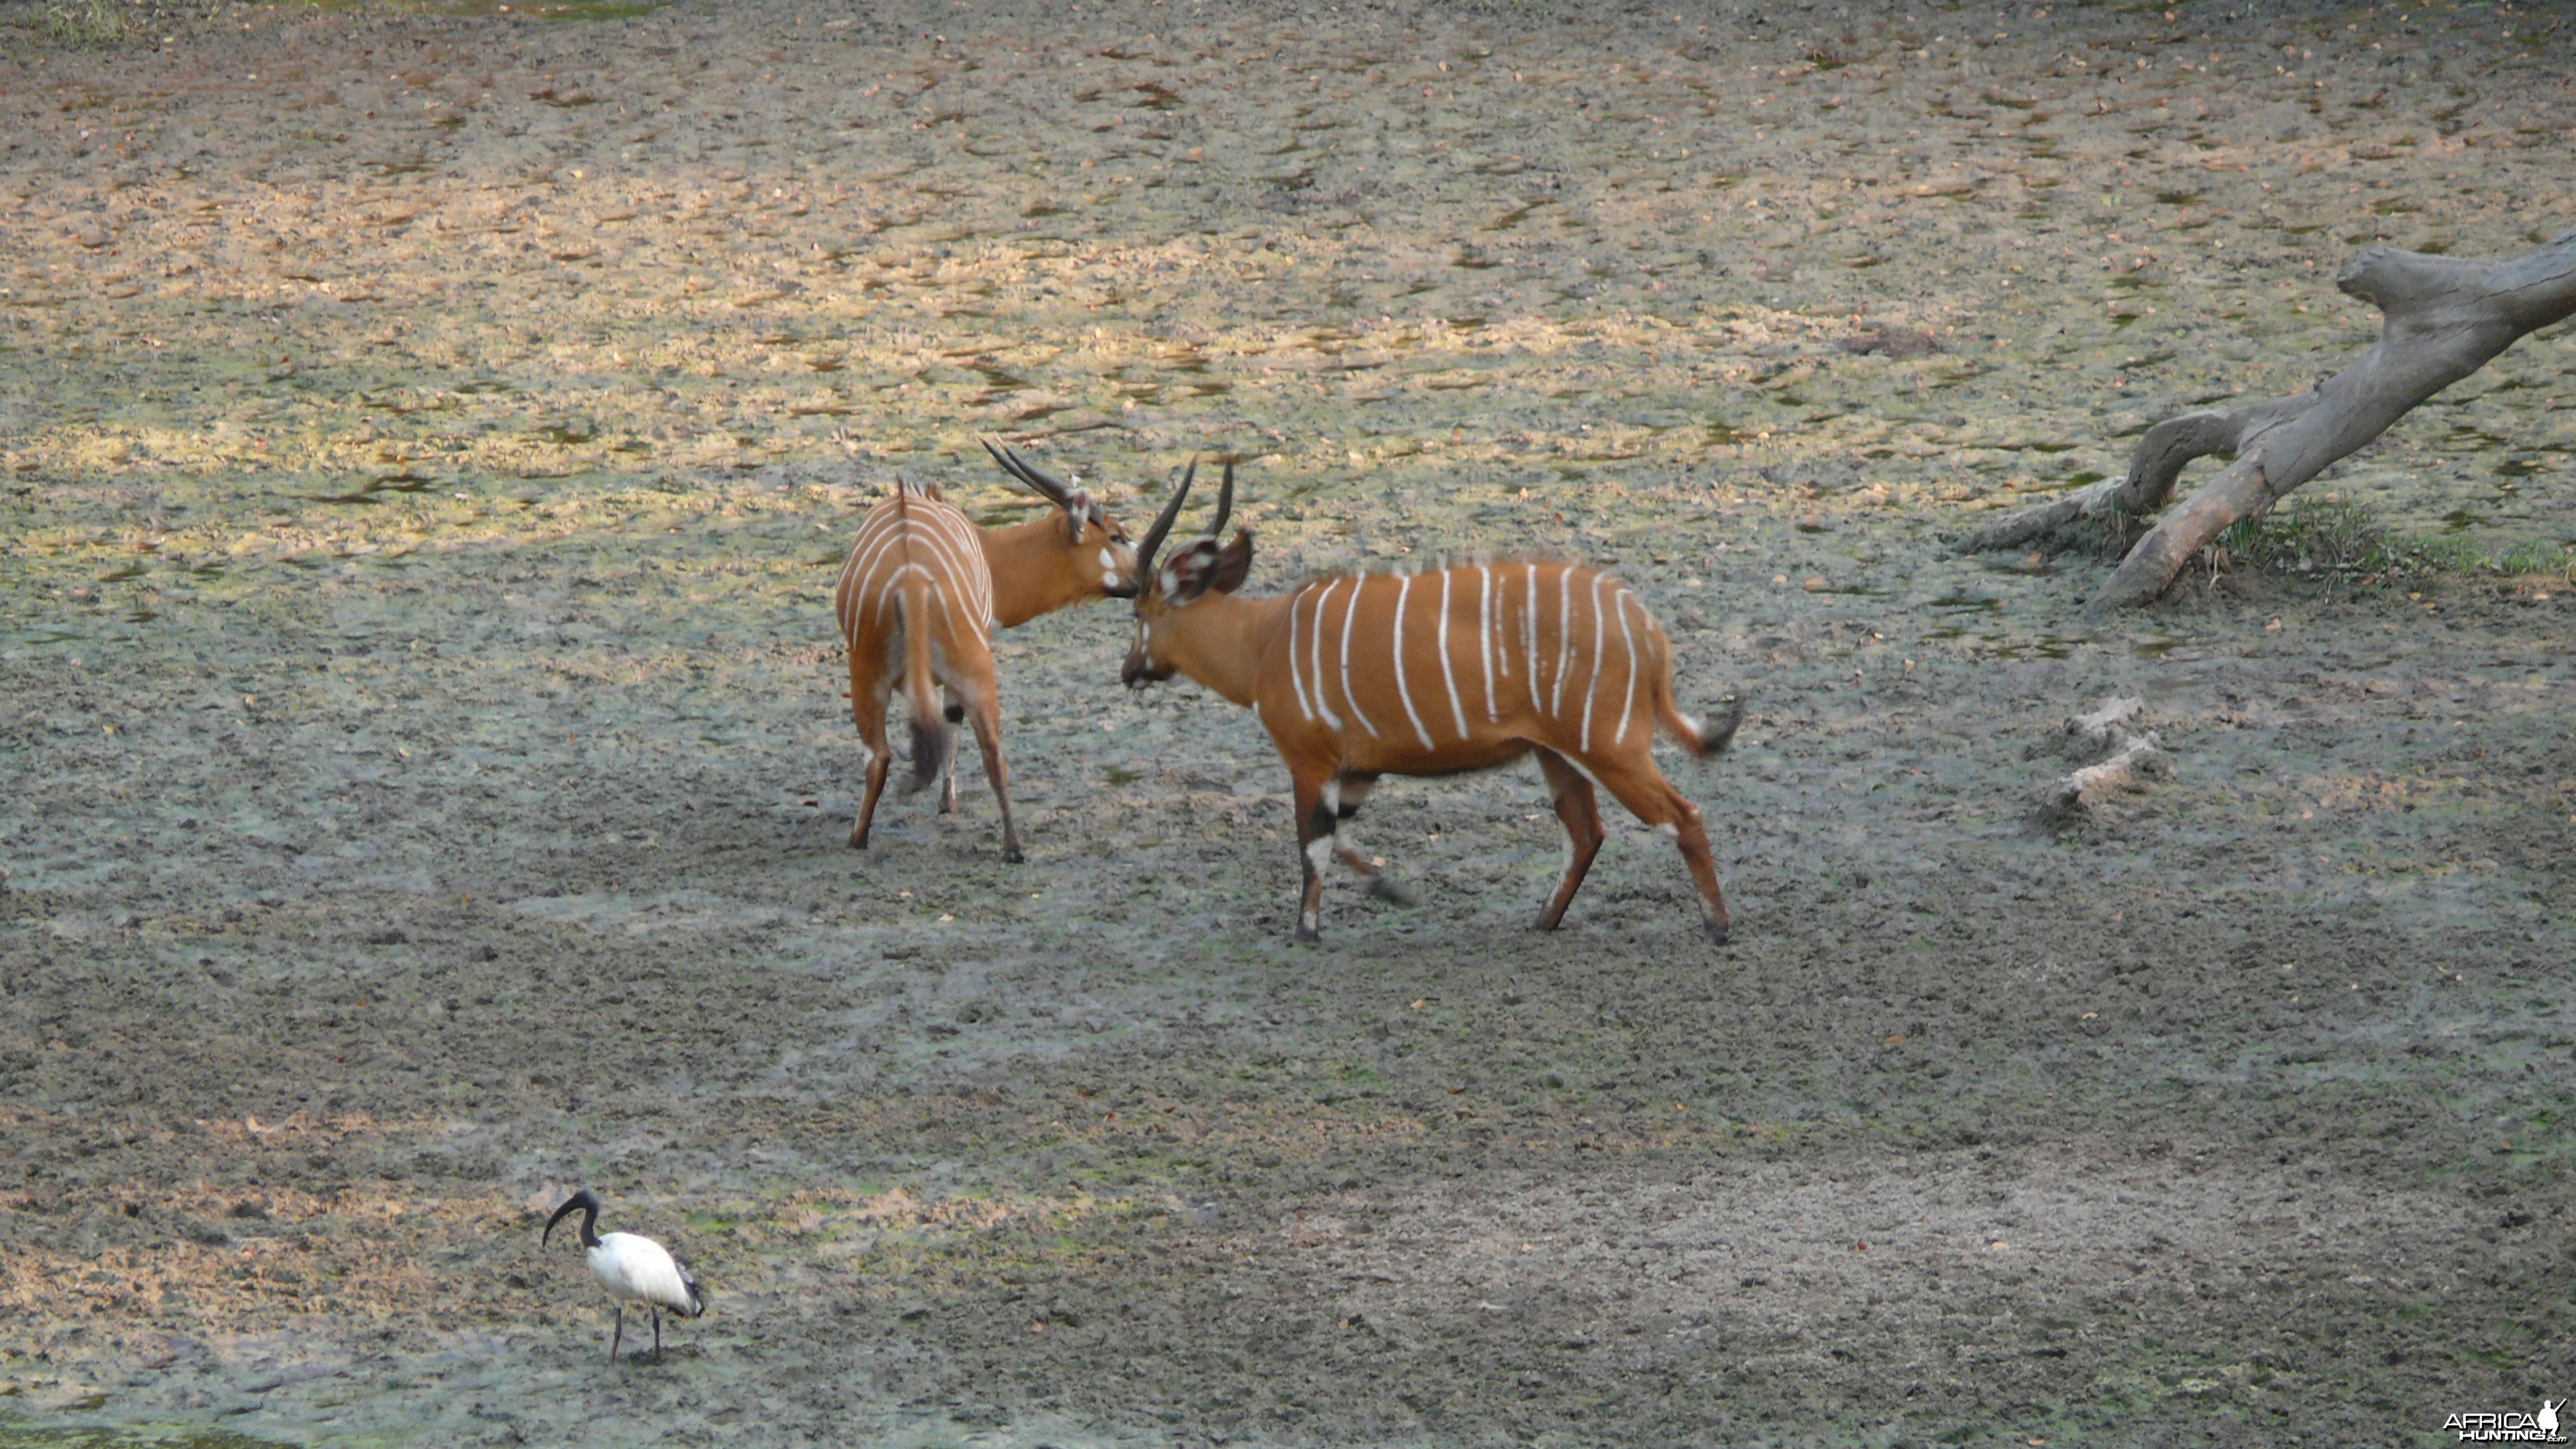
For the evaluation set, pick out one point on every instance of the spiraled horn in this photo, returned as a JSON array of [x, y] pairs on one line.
[[1055, 490], [1153, 543], [1224, 502]]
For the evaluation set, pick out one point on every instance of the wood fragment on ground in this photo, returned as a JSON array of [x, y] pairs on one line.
[[2126, 758]]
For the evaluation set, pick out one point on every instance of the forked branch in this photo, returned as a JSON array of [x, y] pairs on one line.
[[2445, 318]]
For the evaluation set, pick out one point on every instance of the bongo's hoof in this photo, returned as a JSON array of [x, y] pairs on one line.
[[1385, 888]]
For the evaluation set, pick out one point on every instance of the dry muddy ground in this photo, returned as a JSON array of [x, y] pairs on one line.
[[426, 440]]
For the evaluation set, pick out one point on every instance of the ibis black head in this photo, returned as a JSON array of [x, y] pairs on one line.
[[584, 1202]]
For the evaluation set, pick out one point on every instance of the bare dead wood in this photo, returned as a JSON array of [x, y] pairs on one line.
[[2445, 317], [2138, 759], [2129, 759], [2101, 731]]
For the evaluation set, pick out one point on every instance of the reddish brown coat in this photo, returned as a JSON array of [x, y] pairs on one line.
[[1459, 668], [919, 598]]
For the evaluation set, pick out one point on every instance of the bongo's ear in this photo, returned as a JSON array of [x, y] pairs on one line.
[[1233, 563], [1080, 511], [1188, 573]]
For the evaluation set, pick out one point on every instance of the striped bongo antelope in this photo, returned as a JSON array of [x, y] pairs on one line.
[[918, 601], [1434, 673]]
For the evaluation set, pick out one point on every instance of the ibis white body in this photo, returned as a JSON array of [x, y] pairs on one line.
[[640, 1269], [632, 1269]]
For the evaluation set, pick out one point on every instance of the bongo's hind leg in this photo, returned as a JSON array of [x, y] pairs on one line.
[[1580, 813], [868, 711], [954, 710], [1634, 782], [987, 717]]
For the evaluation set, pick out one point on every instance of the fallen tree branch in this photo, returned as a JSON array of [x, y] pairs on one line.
[[2446, 317], [2132, 758]]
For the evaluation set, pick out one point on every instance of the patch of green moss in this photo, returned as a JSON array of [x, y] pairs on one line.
[[16, 1434]]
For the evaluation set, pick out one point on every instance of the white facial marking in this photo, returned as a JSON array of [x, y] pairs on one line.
[[1108, 560], [1108, 577], [1171, 581]]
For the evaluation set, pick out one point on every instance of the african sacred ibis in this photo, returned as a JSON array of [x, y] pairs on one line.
[[630, 1267]]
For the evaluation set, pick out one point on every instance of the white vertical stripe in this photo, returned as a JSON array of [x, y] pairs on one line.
[[1529, 631], [1350, 616], [1448, 673], [1321, 707], [1564, 640], [1592, 677], [1403, 586], [1296, 679], [1623, 599], [1485, 634]]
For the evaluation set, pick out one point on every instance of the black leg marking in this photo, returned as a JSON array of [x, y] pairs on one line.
[[1314, 835]]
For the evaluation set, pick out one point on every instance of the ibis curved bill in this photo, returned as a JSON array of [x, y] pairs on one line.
[[632, 1269]]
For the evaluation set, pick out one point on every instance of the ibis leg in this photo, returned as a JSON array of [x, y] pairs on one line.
[[657, 1333], [618, 1337]]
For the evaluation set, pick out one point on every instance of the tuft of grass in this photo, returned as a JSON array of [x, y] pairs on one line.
[[2107, 535], [79, 22], [582, 10], [2338, 538]]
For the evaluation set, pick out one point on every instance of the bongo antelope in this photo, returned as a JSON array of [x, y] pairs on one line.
[[630, 1267], [1435, 673], [918, 601]]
